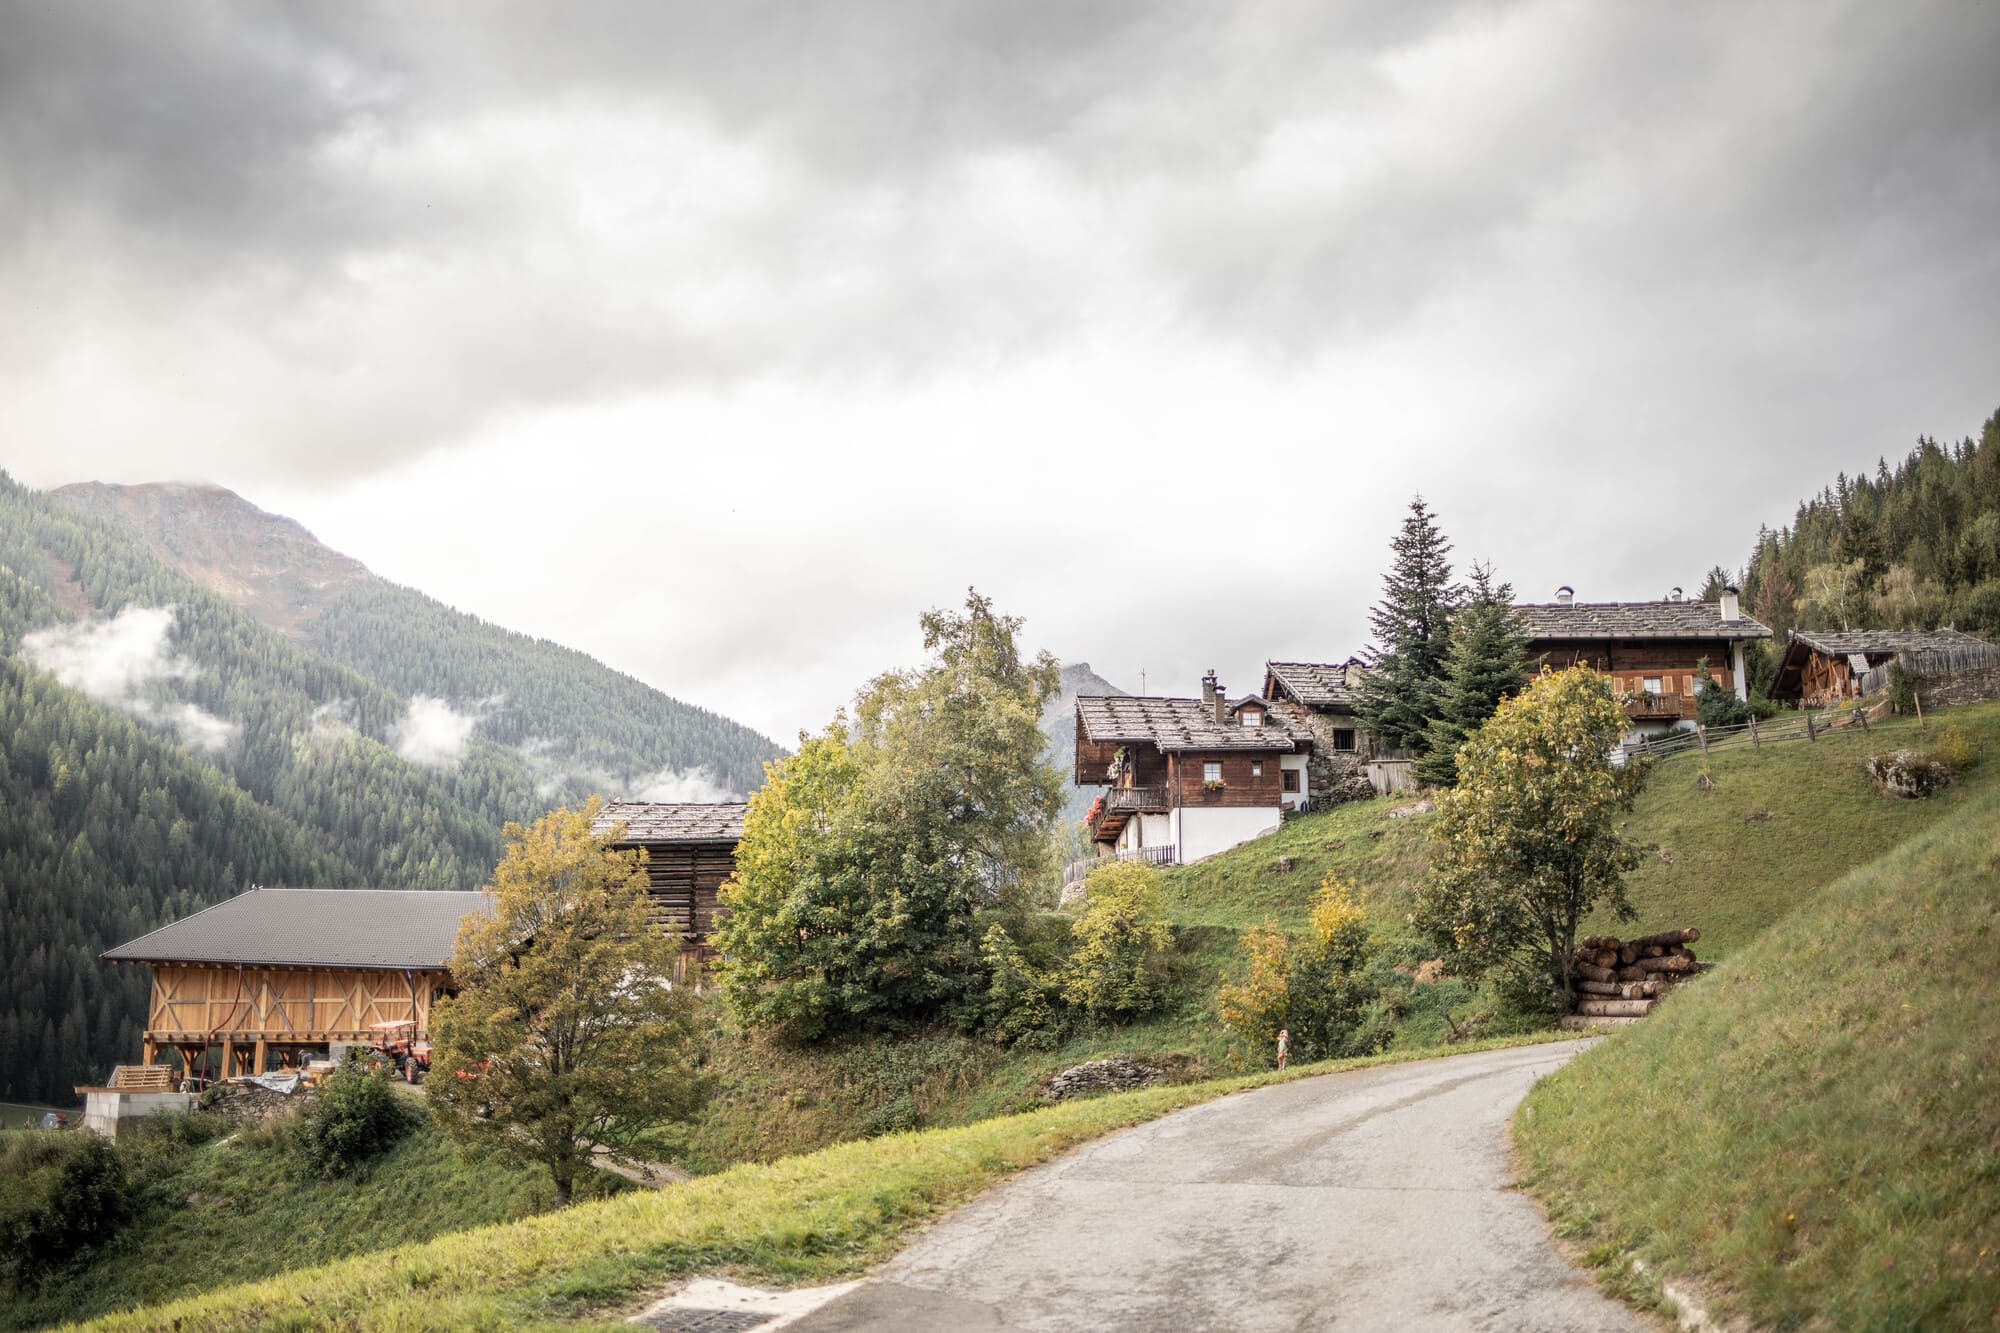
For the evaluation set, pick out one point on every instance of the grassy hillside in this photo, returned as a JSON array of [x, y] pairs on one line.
[[1819, 817], [1813, 1130], [811, 1218], [1780, 823], [231, 1211]]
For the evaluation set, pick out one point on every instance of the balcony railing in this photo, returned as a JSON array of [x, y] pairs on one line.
[[1075, 872], [1135, 800], [1646, 704]]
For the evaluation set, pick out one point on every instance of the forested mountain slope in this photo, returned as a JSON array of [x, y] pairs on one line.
[[576, 723], [1915, 547]]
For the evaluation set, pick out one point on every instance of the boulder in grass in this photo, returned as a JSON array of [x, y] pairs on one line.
[[1907, 773]]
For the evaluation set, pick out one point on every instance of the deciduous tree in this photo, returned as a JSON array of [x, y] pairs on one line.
[[567, 1034], [1529, 841], [867, 855]]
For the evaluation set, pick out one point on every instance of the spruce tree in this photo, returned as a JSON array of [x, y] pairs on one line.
[[1489, 646], [1412, 625]]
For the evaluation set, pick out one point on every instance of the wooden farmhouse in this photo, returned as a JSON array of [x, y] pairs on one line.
[[690, 850], [1652, 651], [1188, 778], [274, 974], [1821, 668]]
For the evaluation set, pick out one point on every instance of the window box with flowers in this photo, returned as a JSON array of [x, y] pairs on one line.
[[1212, 784]]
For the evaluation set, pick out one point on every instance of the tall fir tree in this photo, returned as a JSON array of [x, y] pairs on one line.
[[1412, 625], [1489, 648]]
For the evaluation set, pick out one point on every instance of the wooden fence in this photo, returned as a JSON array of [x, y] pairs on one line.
[[1932, 664], [1802, 726]]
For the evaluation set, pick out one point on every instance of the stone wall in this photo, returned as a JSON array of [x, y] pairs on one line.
[[1976, 686], [1334, 776]]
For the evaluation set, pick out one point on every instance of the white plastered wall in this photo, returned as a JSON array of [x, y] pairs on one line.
[[1204, 831]]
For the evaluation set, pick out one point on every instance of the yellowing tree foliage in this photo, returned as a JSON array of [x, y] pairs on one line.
[[567, 1034], [1529, 840], [1319, 988]]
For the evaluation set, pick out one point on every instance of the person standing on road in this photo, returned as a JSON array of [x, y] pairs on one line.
[[1284, 1040]]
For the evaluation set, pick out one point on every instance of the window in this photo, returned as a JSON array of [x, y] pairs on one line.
[[1343, 738], [1256, 768], [1290, 778], [1653, 685], [1211, 772], [1253, 717]]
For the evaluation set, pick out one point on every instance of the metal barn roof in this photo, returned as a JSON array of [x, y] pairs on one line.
[[364, 928]]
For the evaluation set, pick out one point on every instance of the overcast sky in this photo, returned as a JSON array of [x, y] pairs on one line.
[[719, 340]]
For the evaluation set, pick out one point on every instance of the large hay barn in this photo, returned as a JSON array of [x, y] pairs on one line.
[[276, 974]]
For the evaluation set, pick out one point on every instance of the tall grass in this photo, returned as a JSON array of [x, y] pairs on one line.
[[1813, 1130]]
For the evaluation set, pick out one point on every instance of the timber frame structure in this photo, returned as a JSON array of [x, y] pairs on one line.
[[690, 850], [278, 973]]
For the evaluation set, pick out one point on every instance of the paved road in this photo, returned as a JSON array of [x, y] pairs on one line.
[[1370, 1200]]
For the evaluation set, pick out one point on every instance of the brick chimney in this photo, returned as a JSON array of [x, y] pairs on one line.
[[1565, 594], [1731, 609], [1208, 688]]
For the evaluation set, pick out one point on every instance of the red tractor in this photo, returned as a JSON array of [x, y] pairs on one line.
[[398, 1045]]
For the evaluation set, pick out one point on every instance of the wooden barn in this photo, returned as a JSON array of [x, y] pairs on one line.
[[690, 850], [1821, 668], [272, 975]]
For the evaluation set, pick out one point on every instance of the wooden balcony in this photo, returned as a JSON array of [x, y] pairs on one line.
[[1110, 812], [1645, 707]]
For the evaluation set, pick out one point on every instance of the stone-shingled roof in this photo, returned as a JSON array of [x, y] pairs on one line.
[[1321, 686], [656, 823], [1179, 724], [373, 928], [1876, 642], [1635, 620]]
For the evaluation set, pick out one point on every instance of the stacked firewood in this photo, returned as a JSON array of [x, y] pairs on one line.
[[1619, 981]]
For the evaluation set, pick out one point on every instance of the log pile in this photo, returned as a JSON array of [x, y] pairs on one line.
[[1617, 982]]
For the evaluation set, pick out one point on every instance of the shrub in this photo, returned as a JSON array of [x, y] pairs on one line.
[[354, 1116], [1954, 749], [1024, 993], [1716, 706], [61, 1196], [1119, 967], [1902, 690], [1323, 988]]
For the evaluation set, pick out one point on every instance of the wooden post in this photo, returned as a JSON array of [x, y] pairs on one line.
[[1755, 744], [147, 1050], [229, 1057], [1918, 700], [1861, 715], [1701, 735], [1811, 735], [257, 1066]]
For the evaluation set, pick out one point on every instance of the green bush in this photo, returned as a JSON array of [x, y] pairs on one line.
[[1024, 992], [354, 1115], [1119, 967], [61, 1196], [1716, 706]]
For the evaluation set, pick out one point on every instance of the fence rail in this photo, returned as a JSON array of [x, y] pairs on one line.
[[1802, 726], [1166, 854]]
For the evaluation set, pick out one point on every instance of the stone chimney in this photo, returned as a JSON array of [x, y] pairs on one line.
[[1221, 701], [1565, 594], [1208, 688], [1730, 608]]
